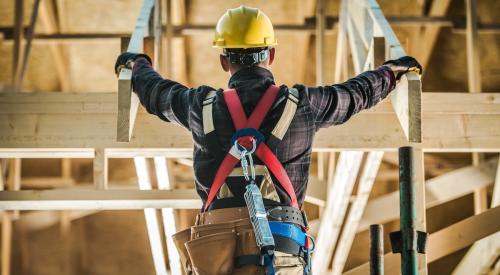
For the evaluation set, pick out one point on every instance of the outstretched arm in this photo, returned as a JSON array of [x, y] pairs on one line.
[[167, 99], [335, 104]]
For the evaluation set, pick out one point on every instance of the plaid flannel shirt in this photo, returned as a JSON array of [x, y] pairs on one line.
[[318, 107]]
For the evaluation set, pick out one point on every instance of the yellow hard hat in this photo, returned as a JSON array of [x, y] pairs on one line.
[[244, 27]]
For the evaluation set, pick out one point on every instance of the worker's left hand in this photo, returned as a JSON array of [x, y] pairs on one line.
[[403, 65], [126, 60]]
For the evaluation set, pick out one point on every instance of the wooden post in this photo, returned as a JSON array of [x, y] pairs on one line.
[[100, 169]]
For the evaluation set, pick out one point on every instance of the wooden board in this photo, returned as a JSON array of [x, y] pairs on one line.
[[128, 102], [453, 122], [98, 199], [445, 241]]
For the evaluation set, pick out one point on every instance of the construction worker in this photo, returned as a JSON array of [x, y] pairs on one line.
[[252, 147]]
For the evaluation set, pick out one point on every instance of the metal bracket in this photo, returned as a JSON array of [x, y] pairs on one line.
[[416, 240]]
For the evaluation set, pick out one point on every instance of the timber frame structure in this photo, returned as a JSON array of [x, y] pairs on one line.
[[101, 127]]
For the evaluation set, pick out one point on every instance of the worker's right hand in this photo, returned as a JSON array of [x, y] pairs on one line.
[[403, 65], [126, 60]]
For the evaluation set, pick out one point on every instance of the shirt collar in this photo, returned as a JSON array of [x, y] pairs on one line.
[[251, 74]]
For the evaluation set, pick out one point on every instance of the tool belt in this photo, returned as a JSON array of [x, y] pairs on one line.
[[274, 212], [222, 241]]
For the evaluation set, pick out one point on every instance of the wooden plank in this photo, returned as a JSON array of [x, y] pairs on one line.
[[472, 41], [128, 102], [431, 32], [335, 209], [98, 199], [316, 191], [100, 169], [6, 248], [21, 69], [168, 217], [446, 241], [152, 223], [453, 122], [477, 259], [320, 42], [46, 182], [341, 50], [48, 23], [439, 190], [406, 99], [356, 210], [17, 51], [420, 201], [38, 220]]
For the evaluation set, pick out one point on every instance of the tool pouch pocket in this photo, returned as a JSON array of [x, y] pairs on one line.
[[180, 238], [212, 254]]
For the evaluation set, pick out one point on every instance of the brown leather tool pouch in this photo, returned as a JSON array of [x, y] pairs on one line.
[[212, 254], [180, 238]]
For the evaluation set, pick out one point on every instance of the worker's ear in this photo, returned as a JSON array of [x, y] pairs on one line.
[[224, 63], [272, 51]]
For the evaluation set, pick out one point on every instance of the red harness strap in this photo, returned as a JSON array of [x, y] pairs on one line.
[[263, 152]]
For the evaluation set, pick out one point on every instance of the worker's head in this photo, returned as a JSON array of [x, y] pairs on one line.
[[247, 38]]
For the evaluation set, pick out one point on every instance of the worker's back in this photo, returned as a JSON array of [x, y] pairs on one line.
[[317, 107]]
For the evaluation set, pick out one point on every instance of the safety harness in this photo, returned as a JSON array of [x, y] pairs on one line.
[[248, 141], [247, 132]]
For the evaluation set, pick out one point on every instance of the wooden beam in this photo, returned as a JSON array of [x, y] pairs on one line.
[[46, 182], [454, 122], [366, 21], [17, 51], [316, 191], [21, 69], [472, 39], [357, 207], [168, 218], [128, 102], [477, 259], [335, 209], [446, 241], [439, 190], [100, 169], [341, 50], [152, 224], [420, 201], [48, 23], [320, 42], [38, 220], [98, 199], [431, 32], [6, 248]]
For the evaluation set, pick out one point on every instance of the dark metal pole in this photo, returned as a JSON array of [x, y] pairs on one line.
[[409, 262], [376, 249]]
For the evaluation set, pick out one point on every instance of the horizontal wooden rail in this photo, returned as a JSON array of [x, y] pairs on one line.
[[34, 122]]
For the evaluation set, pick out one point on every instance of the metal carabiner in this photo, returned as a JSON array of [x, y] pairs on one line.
[[242, 150]]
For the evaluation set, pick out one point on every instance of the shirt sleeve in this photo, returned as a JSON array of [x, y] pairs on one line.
[[335, 104], [167, 99]]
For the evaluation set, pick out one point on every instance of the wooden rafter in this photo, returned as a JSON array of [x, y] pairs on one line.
[[445, 241], [478, 258], [439, 190], [335, 209], [48, 23], [356, 210], [430, 33]]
